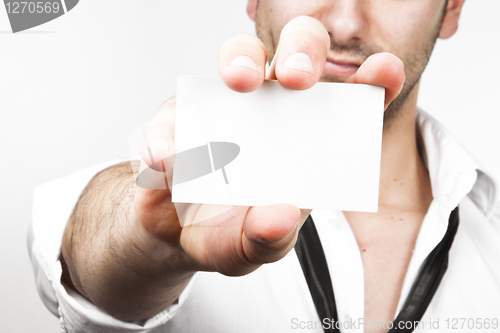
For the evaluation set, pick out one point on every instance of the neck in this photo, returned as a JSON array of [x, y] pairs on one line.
[[404, 179]]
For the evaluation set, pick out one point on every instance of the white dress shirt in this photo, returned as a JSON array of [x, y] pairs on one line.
[[276, 298]]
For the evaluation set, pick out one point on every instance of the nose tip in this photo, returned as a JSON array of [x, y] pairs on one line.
[[346, 31], [345, 22], [340, 39]]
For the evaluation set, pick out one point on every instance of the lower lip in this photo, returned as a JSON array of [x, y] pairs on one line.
[[339, 70]]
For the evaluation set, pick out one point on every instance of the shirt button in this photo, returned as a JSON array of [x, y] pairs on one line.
[[348, 321]]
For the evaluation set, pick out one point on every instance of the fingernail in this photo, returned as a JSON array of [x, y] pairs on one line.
[[300, 61], [158, 150], [244, 61], [286, 237]]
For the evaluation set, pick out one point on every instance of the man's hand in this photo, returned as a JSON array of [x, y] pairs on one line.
[[248, 237], [160, 255], [302, 35]]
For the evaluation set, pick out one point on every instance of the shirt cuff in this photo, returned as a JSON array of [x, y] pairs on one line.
[[77, 314]]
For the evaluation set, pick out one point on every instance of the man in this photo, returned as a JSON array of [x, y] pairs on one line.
[[127, 265]]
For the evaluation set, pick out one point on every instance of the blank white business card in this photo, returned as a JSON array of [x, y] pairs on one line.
[[317, 148]]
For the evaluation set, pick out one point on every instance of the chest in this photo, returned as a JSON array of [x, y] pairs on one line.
[[386, 242], [276, 297]]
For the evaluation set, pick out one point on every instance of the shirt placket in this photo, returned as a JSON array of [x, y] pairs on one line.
[[346, 268]]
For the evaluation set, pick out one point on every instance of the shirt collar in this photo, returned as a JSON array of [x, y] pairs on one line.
[[454, 172]]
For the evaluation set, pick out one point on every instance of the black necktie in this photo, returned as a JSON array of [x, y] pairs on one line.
[[313, 262]]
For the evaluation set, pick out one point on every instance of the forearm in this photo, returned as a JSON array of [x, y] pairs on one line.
[[111, 259]]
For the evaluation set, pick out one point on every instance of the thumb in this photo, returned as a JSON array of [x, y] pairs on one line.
[[270, 232]]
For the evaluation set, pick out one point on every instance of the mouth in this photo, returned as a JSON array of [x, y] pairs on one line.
[[341, 68]]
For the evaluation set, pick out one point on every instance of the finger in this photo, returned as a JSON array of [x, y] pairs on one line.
[[242, 62], [301, 54], [384, 70], [158, 143], [270, 232], [152, 201], [158, 151]]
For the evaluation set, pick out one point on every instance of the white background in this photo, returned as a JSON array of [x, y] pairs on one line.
[[72, 90]]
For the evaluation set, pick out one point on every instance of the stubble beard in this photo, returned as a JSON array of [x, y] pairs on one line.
[[415, 63]]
